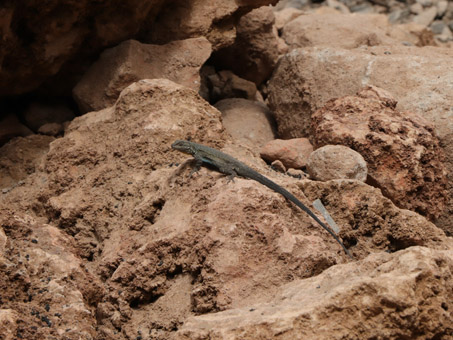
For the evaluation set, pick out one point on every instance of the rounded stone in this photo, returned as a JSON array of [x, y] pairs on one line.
[[336, 162]]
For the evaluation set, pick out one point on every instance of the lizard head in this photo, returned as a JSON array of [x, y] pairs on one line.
[[183, 146]]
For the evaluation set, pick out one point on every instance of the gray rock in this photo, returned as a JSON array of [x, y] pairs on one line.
[[336, 162]]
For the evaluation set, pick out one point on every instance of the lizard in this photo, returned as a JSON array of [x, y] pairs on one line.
[[232, 167]]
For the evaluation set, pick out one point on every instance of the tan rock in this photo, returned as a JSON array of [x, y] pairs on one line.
[[8, 323], [406, 294], [293, 153], [225, 84], [344, 30], [22, 157], [254, 54], [248, 122], [336, 162], [51, 129], [306, 79], [215, 20], [132, 240], [426, 17], [402, 152], [286, 15], [120, 66]]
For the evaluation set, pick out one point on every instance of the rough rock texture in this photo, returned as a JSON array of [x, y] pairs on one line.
[[306, 79], [254, 54], [249, 123], [293, 153], [137, 245], [336, 162], [343, 31], [182, 19], [21, 157], [402, 152], [130, 61], [41, 40], [397, 294], [45, 282]]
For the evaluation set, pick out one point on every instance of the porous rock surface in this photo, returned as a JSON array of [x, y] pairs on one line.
[[332, 305], [402, 152], [137, 246]]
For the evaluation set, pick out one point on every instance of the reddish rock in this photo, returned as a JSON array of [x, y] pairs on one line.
[[384, 296], [254, 54], [248, 122], [286, 15], [336, 162], [131, 240], [120, 66], [182, 19], [293, 153], [402, 152], [306, 79]]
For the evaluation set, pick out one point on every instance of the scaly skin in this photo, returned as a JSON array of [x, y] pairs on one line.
[[232, 167]]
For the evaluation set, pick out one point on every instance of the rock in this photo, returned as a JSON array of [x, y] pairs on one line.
[[254, 54], [248, 122], [137, 242], [278, 166], [336, 162], [402, 152], [44, 45], [49, 271], [416, 8], [8, 323], [51, 129], [404, 295], [215, 20], [438, 26], [306, 79], [426, 17], [344, 30], [286, 15], [342, 8], [293, 153], [442, 6], [10, 127], [3, 239], [118, 67], [225, 84], [38, 114], [21, 157]]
